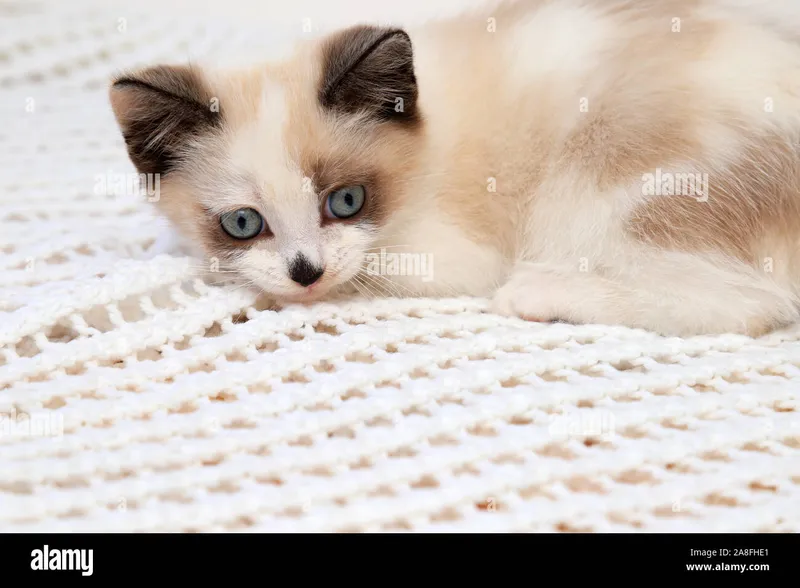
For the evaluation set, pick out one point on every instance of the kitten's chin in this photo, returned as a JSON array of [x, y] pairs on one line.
[[306, 296], [316, 294]]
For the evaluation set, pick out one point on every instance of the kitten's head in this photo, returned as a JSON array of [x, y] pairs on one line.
[[285, 173]]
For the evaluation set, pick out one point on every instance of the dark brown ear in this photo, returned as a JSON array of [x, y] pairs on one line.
[[368, 68], [158, 109]]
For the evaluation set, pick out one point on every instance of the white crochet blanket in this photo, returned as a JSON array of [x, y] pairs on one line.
[[136, 398]]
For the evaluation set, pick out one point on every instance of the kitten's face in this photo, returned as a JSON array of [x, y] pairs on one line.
[[284, 174]]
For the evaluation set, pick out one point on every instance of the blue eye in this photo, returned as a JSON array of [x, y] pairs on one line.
[[346, 202], [244, 223]]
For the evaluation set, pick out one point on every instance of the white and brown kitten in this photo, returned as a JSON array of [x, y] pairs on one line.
[[632, 162]]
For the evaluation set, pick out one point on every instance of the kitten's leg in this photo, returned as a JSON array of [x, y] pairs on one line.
[[671, 294]]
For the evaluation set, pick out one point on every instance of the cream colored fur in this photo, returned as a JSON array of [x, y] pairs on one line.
[[559, 247], [541, 119]]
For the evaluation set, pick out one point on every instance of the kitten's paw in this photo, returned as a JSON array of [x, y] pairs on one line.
[[532, 300]]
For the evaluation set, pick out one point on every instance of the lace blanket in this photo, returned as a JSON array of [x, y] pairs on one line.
[[135, 397]]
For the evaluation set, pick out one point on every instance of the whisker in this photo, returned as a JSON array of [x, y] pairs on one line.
[[356, 286], [384, 283], [206, 268], [245, 285], [360, 280], [388, 290], [394, 287]]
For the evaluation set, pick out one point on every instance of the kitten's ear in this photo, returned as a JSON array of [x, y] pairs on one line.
[[369, 68], [158, 109]]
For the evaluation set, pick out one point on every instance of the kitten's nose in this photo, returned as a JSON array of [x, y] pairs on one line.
[[303, 271]]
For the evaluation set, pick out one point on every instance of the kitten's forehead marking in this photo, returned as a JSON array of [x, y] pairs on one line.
[[260, 150]]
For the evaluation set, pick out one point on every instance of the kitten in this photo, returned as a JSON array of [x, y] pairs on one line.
[[631, 162]]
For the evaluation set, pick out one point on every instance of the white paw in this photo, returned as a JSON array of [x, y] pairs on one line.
[[528, 298]]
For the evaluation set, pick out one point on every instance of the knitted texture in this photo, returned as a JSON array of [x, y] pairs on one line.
[[136, 397]]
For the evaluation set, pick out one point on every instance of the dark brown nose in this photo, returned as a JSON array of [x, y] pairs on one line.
[[303, 271]]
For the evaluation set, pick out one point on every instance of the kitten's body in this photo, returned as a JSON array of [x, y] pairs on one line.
[[519, 159]]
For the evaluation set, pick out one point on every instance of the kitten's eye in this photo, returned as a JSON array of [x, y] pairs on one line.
[[244, 223], [346, 202]]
